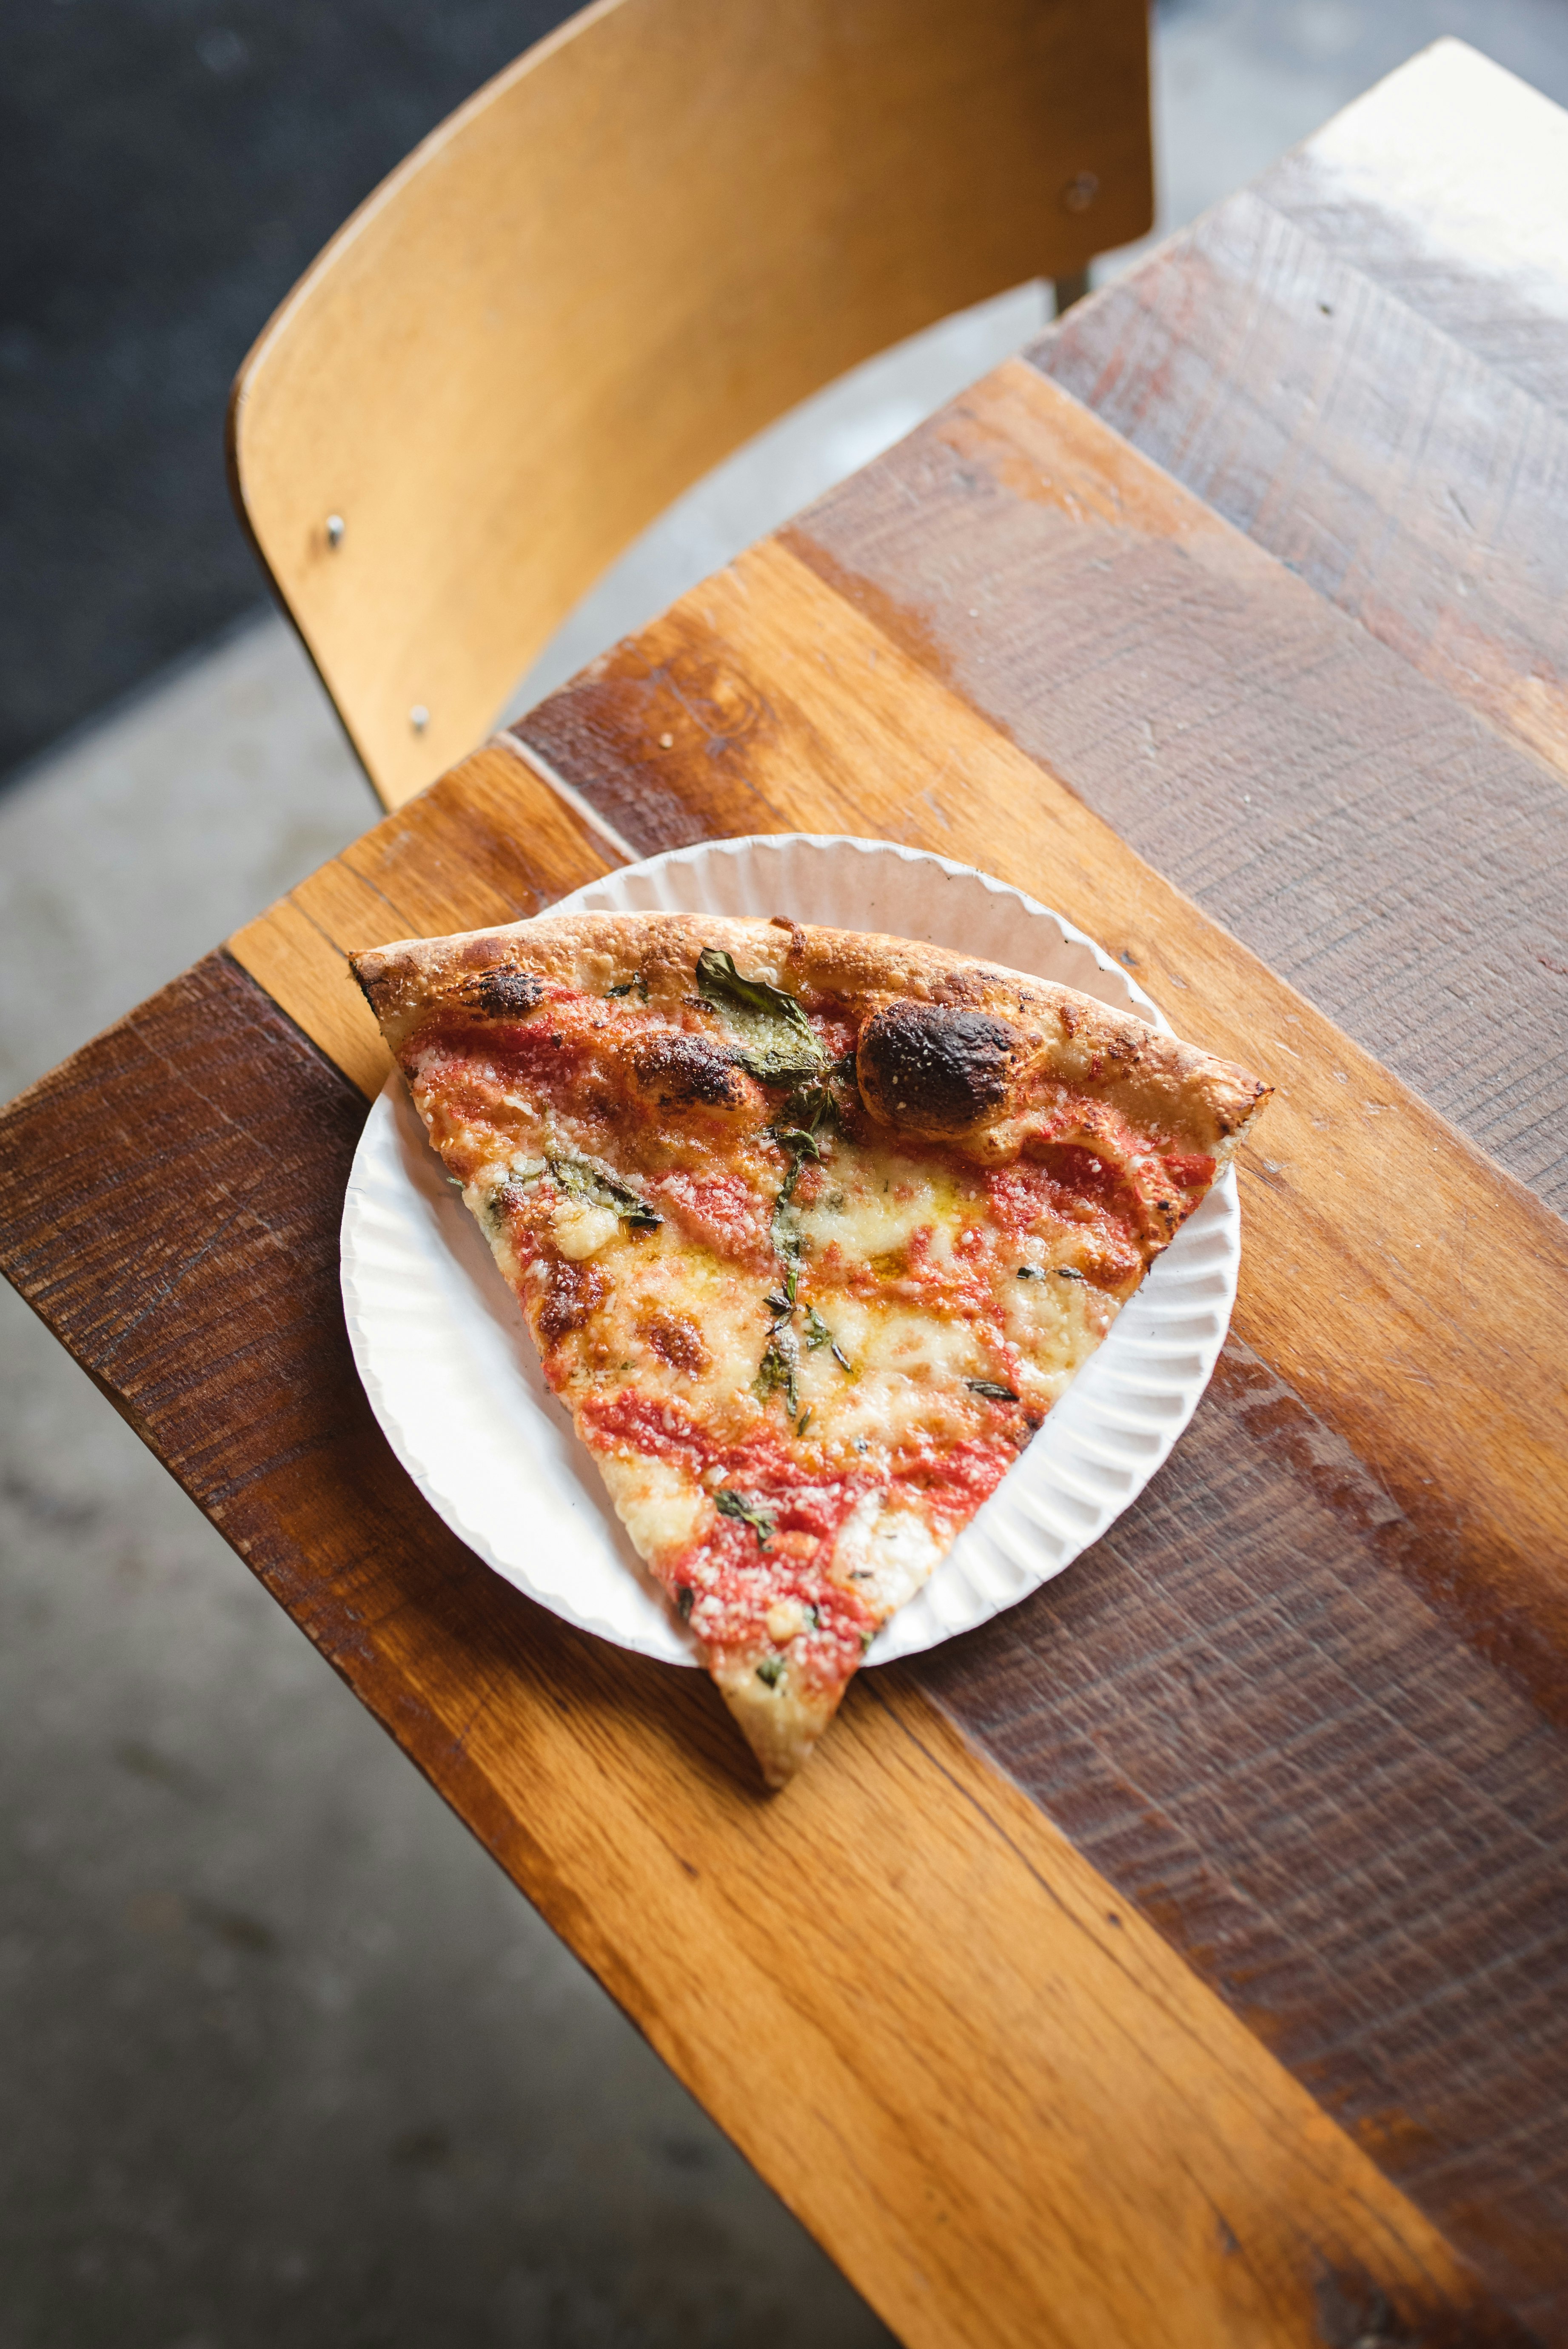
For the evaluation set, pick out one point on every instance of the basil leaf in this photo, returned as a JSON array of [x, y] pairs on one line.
[[817, 1330], [796, 1138], [776, 1373], [730, 1504], [580, 1181], [779, 1041], [811, 1109], [785, 1234], [770, 1671], [990, 1387]]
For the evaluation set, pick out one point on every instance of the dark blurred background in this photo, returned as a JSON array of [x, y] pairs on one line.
[[167, 170]]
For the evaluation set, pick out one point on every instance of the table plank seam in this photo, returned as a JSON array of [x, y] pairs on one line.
[[580, 805]]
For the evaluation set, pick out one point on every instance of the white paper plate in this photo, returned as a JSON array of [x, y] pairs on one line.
[[451, 1373]]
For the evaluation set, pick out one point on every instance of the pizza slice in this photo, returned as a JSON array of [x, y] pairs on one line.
[[811, 1229]]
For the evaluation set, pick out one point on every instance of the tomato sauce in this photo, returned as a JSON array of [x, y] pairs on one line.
[[721, 1211], [735, 1577], [1189, 1171], [1081, 1195], [729, 1580]]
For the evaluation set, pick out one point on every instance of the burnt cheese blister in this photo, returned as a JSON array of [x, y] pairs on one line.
[[934, 1068]]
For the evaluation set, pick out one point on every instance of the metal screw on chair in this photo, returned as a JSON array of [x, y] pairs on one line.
[[335, 530], [419, 717], [1080, 191]]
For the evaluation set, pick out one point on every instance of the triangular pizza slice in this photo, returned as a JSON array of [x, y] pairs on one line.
[[811, 1229]]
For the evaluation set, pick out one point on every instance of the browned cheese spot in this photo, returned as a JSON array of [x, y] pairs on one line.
[[677, 1342], [933, 1068], [503, 992], [681, 1069], [573, 1292]]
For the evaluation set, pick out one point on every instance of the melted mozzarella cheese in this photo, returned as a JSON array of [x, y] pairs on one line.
[[884, 1553], [920, 1345], [1055, 1325], [580, 1230], [875, 1203]]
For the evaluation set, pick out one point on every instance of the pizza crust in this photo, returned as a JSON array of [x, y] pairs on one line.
[[1207, 1104], [782, 1724]]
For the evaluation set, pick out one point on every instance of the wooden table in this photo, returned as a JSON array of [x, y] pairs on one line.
[[1182, 1958]]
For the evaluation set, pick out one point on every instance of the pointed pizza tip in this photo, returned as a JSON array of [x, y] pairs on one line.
[[782, 1724]]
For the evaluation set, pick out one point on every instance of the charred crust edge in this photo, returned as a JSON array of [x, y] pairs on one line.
[[503, 991], [691, 1069], [938, 1068]]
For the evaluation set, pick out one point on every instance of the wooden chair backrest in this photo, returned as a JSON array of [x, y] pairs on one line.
[[657, 231]]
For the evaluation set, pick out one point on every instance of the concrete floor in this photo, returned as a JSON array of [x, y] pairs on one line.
[[284, 2060]]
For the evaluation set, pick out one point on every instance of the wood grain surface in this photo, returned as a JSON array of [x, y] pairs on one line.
[[1371, 837], [1361, 1423], [1244, 1717], [1449, 182], [1254, 361], [959, 2055]]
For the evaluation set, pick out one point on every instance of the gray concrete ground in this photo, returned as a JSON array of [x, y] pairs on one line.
[[282, 2058]]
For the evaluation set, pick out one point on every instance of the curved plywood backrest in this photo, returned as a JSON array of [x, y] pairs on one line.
[[657, 231]]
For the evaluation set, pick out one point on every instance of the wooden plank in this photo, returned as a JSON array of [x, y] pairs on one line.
[[489, 842], [301, 963], [1256, 364], [1374, 841], [1246, 1717], [1448, 182], [1137, 2169]]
